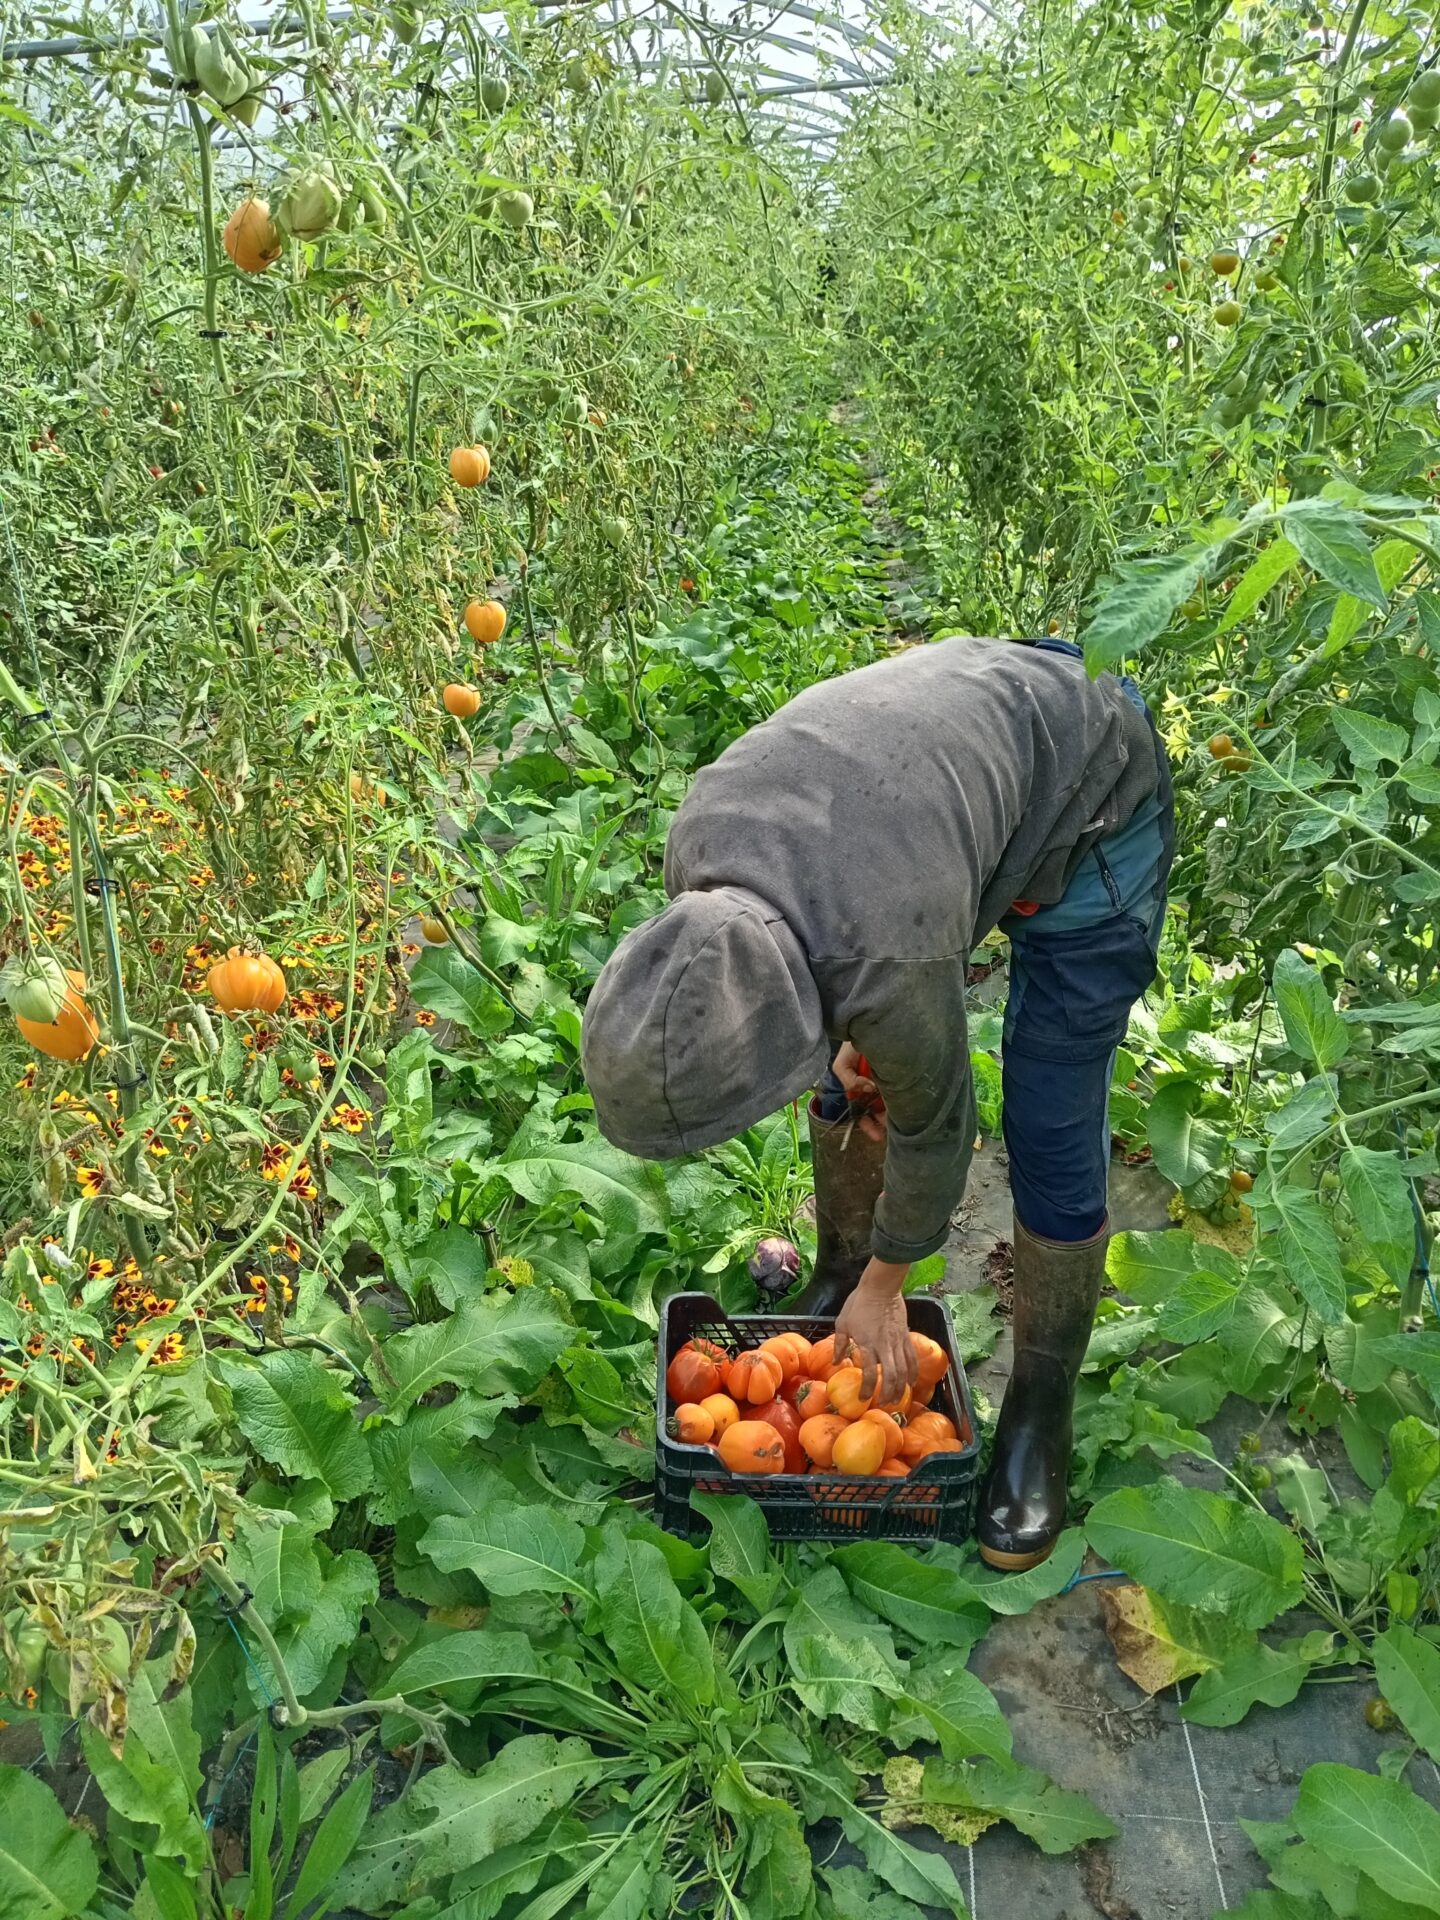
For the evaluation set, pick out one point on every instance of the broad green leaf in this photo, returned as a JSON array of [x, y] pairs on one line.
[[1333, 542], [1261, 1335], [1149, 1266], [1380, 1827], [172, 1894], [740, 1546], [444, 981], [1393, 559], [1053, 1818], [622, 1888], [1270, 565], [1309, 1250], [1206, 1550], [505, 1340], [510, 1549], [48, 1868], [458, 1665], [298, 1415], [1202, 1304], [1011, 1593], [950, 1706], [1137, 604], [628, 1195], [1417, 1353], [655, 1634], [1408, 1670], [926, 1878], [1414, 1459], [931, 1604], [1303, 1491], [1268, 1676], [1306, 1115], [857, 1895], [308, 1641], [1312, 1026], [1368, 740], [1379, 1197], [1269, 1904], [1183, 1146], [1158, 1642], [451, 1262], [147, 1792], [451, 1820], [839, 1661], [776, 1872], [165, 1726]]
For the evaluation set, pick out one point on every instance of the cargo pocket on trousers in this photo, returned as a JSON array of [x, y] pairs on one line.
[[1079, 989]]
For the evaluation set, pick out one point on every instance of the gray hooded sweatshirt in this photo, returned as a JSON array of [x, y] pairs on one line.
[[829, 875]]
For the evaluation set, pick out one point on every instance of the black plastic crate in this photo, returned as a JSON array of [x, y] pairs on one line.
[[935, 1501]]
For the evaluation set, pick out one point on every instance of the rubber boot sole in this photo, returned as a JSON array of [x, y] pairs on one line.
[[1015, 1562]]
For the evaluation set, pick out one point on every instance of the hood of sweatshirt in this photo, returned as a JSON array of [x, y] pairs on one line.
[[703, 1021]]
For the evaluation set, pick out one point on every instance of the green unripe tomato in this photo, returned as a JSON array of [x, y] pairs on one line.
[[515, 208], [494, 92], [1380, 1715], [576, 410], [1423, 119], [1362, 189], [577, 74], [714, 88], [1425, 91], [1394, 135]]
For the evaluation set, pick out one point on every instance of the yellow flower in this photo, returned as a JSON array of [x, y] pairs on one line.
[[90, 1180]]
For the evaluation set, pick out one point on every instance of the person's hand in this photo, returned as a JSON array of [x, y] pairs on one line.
[[873, 1330], [846, 1068]]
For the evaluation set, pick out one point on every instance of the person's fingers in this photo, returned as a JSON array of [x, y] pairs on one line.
[[869, 1372], [909, 1359], [872, 1125]]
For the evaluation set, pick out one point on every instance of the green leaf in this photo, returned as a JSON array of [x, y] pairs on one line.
[[334, 1842], [1268, 1904], [1183, 1147], [458, 1665], [838, 1662], [1368, 740], [655, 1634], [1206, 1550], [505, 1340], [145, 1791], [974, 1324], [926, 1878], [621, 1890], [1269, 1676], [627, 1195], [452, 1263], [1202, 1304], [1053, 1818], [1303, 1491], [1139, 602], [48, 1868], [930, 1603], [858, 1895], [510, 1549], [1378, 1826], [953, 1708], [740, 1546], [1306, 1115], [298, 1415], [1408, 1670], [169, 1890], [278, 1563], [451, 1820], [1379, 1196], [309, 1642], [1270, 565], [1149, 1266], [1012, 1593], [1309, 1250], [1312, 1026], [1334, 543], [444, 981]]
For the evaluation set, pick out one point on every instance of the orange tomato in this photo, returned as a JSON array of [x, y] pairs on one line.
[[460, 701], [752, 1446], [74, 1030], [470, 466], [485, 621], [701, 1345], [820, 1363], [722, 1410], [934, 1361], [808, 1396], [692, 1424], [886, 1402], [246, 983], [939, 1425], [782, 1345], [691, 1376], [753, 1376], [889, 1426], [894, 1469], [845, 1395], [859, 1449], [786, 1422], [818, 1436]]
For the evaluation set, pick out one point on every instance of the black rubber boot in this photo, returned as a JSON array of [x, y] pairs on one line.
[[849, 1175], [1023, 1497]]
